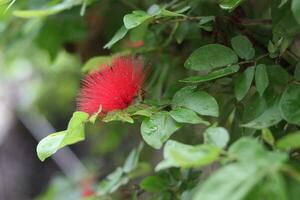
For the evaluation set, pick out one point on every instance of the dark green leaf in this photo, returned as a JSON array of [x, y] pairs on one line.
[[212, 75], [296, 9], [154, 184], [277, 75], [243, 47], [118, 36], [297, 72], [290, 104], [243, 83], [199, 101], [261, 78], [211, 56], [268, 118]]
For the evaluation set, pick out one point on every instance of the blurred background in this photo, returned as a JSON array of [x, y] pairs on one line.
[[40, 73]]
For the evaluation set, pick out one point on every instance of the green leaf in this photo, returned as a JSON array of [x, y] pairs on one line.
[[183, 115], [181, 155], [118, 36], [297, 72], [240, 177], [74, 133], [212, 75], [261, 78], [211, 56], [112, 182], [277, 75], [290, 104], [118, 115], [66, 4], [243, 83], [154, 184], [229, 4], [133, 158], [199, 101], [296, 9], [268, 118], [135, 19], [94, 117], [268, 136], [290, 141], [96, 63], [217, 136], [158, 128], [122, 175], [243, 47]]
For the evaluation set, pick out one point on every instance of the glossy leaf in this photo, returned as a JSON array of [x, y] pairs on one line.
[[229, 4], [211, 56], [268, 118], [199, 101]]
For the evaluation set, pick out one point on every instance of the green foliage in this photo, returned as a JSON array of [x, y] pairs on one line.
[[221, 96]]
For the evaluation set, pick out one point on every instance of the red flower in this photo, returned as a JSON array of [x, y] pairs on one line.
[[113, 87]]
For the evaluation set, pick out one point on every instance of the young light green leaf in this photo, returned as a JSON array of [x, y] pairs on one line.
[[290, 104], [184, 115], [268, 136], [74, 133], [211, 56], [154, 184], [243, 47], [66, 4], [198, 101], [290, 141], [158, 128], [229, 4], [217, 136], [118, 36], [261, 78], [118, 115], [135, 18], [243, 83], [95, 63], [212, 75], [181, 155]]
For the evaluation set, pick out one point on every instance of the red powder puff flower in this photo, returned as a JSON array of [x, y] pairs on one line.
[[113, 87]]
